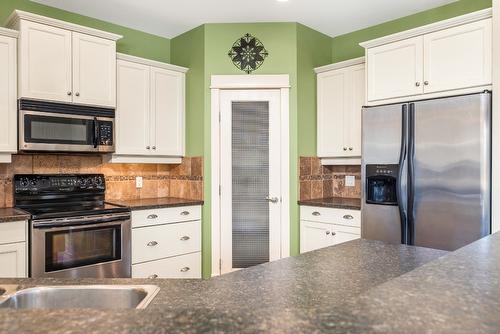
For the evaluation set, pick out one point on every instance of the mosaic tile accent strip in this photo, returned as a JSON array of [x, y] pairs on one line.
[[317, 181]]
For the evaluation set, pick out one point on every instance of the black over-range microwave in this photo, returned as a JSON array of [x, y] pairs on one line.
[[60, 127]]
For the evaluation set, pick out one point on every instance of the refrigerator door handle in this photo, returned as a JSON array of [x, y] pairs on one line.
[[411, 175], [399, 185]]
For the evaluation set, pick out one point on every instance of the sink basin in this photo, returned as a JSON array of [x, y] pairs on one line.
[[81, 296]]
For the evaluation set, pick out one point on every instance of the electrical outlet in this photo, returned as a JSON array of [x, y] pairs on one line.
[[138, 182], [350, 181]]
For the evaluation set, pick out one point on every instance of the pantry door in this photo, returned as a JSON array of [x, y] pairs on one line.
[[250, 165]]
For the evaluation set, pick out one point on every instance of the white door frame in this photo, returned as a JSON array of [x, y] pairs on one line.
[[249, 82]]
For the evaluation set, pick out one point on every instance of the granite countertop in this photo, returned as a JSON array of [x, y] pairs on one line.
[[334, 202], [290, 295], [156, 203], [12, 215]]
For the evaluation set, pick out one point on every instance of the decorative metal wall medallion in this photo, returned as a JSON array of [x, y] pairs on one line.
[[248, 53]]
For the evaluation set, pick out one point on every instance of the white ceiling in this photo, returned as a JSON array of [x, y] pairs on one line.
[[170, 18]]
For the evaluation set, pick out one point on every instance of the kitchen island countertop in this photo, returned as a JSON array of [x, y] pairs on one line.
[[290, 295]]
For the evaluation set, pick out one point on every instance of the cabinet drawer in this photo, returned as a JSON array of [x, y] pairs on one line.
[[341, 237], [165, 215], [157, 242], [13, 232], [184, 266], [331, 216]]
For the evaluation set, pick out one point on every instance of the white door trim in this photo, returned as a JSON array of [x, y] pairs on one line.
[[222, 82]]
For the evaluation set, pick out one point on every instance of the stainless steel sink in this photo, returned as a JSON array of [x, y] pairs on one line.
[[79, 296]]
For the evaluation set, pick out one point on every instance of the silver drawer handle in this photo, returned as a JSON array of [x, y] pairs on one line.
[[316, 213], [185, 238], [185, 269], [185, 213], [153, 276], [152, 243], [152, 216], [348, 217]]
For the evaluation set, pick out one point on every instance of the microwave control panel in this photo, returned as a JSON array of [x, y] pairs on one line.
[[106, 133]]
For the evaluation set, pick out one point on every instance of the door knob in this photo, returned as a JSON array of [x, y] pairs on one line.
[[272, 199]]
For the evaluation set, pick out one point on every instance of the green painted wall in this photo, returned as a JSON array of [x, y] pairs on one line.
[[347, 46], [134, 42], [188, 50]]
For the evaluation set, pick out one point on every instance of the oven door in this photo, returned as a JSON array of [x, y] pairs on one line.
[[95, 250], [45, 131]]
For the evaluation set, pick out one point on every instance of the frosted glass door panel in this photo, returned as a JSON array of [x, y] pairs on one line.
[[250, 183]]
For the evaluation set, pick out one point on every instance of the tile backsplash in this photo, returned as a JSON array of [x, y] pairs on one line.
[[317, 181], [184, 180]]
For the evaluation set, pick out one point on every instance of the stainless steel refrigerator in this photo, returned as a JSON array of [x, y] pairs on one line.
[[426, 171]]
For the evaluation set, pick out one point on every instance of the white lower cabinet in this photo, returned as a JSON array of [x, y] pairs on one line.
[[323, 227], [166, 243], [183, 266], [13, 249]]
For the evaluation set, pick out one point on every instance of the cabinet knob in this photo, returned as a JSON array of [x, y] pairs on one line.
[[185, 238], [148, 147], [345, 148], [153, 276], [69, 93], [426, 83], [152, 243], [153, 216], [316, 213], [334, 234], [327, 232], [77, 94], [350, 148], [154, 147], [417, 84], [185, 269]]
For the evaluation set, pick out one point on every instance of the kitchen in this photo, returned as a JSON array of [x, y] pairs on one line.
[[135, 164]]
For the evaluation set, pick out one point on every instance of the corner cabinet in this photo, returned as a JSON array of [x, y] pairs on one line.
[[150, 111], [8, 94], [64, 62], [341, 95], [446, 58]]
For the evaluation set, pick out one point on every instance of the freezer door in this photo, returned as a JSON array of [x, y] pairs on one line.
[[383, 138], [451, 171]]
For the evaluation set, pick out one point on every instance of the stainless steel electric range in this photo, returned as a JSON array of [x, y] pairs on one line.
[[73, 232]]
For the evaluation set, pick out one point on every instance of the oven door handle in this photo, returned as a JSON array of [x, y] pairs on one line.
[[84, 221]]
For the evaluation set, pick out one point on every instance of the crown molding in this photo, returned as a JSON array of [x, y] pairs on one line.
[[429, 28], [21, 15], [148, 62], [9, 32], [339, 65]]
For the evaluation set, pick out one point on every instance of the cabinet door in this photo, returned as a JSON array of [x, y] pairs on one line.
[[45, 62], [395, 69], [352, 117], [8, 95], [94, 70], [133, 108], [332, 102], [167, 112], [13, 260], [458, 57], [314, 236]]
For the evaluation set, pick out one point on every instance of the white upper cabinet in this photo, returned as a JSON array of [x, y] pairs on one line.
[[436, 60], [94, 70], [150, 111], [45, 62], [458, 57], [65, 62], [395, 70], [341, 95], [167, 108], [8, 94], [133, 101]]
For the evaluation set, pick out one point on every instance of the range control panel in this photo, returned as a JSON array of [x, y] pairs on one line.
[[58, 183]]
